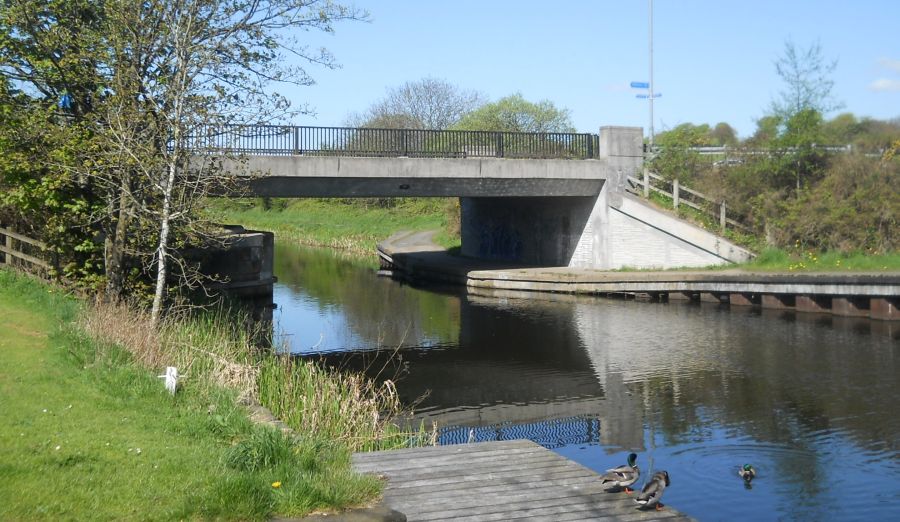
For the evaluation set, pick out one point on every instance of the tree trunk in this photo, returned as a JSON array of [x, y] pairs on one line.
[[115, 245], [163, 246]]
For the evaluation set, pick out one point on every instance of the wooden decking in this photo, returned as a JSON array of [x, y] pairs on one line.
[[510, 480]]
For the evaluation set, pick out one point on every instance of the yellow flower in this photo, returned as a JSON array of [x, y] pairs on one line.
[[276, 485]]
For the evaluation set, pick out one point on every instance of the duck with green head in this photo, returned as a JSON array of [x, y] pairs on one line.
[[747, 473], [623, 476]]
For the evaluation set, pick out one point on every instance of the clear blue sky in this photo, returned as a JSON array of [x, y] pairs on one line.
[[713, 60]]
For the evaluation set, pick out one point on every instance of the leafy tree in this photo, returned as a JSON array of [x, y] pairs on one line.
[[766, 131], [724, 134], [516, 114], [50, 50], [429, 103], [676, 158], [807, 75], [147, 79], [841, 130]]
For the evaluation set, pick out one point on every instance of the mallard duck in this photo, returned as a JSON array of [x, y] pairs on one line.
[[747, 472], [652, 492], [623, 476]]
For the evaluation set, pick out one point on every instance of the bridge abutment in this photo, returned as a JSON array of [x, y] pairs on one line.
[[609, 230]]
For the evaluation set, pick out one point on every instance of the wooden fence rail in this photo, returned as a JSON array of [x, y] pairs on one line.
[[13, 254], [695, 200]]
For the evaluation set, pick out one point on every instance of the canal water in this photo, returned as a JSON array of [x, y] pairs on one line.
[[811, 401]]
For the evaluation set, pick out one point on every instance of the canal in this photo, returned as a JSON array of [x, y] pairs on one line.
[[811, 401]]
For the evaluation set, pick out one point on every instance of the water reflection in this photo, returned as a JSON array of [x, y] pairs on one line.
[[808, 399]]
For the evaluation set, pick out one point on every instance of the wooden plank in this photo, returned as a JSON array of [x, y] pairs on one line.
[[661, 191], [499, 484], [695, 193], [543, 497], [24, 257], [420, 475], [24, 239], [455, 451], [620, 508], [569, 516], [453, 460], [555, 514], [540, 476], [450, 448], [483, 482]]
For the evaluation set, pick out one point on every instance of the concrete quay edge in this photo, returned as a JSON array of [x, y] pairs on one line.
[[414, 254]]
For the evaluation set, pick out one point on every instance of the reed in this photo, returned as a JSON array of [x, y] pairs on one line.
[[327, 405]]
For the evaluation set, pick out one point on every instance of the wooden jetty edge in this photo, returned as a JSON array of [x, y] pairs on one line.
[[502, 481]]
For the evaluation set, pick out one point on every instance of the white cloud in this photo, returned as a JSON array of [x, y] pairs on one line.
[[888, 63], [885, 85]]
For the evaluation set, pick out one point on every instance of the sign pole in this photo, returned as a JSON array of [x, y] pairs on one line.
[[651, 74]]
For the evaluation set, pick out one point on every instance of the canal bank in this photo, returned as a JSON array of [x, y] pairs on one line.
[[851, 294]]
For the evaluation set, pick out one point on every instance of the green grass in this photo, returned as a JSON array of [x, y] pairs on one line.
[[774, 259], [771, 259], [335, 223], [89, 434]]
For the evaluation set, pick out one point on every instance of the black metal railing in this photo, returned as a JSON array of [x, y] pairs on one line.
[[365, 142]]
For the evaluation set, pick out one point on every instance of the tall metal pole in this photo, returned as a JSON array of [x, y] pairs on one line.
[[651, 74]]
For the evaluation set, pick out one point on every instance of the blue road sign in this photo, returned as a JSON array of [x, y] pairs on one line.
[[645, 96], [640, 85]]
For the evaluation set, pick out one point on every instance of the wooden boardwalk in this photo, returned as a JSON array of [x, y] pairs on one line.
[[509, 480]]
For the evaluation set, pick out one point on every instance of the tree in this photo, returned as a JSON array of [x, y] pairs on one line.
[[150, 81], [516, 114], [49, 52], [807, 75], [723, 134], [766, 131], [429, 103], [676, 158], [190, 65]]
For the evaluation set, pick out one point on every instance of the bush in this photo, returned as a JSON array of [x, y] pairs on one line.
[[854, 207]]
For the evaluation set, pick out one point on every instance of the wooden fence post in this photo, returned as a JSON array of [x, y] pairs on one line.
[[9, 246], [646, 183], [722, 217], [675, 193]]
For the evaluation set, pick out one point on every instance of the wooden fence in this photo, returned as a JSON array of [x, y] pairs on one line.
[[681, 195], [24, 253]]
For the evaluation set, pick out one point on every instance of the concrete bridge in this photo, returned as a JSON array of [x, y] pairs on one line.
[[537, 199]]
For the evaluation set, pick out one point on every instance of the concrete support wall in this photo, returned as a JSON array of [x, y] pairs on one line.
[[536, 231], [607, 231]]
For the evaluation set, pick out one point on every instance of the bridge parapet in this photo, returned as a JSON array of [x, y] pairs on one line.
[[283, 140]]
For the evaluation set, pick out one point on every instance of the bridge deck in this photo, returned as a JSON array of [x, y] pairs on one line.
[[508, 480]]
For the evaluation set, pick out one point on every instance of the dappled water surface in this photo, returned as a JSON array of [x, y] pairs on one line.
[[810, 400]]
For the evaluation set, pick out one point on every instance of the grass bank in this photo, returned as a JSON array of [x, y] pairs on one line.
[[347, 224], [90, 433], [800, 260]]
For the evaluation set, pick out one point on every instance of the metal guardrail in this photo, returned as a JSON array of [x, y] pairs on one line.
[[365, 142]]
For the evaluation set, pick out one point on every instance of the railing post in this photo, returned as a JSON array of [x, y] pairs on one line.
[[499, 148], [722, 217], [646, 183], [9, 249], [590, 145], [296, 140], [675, 193]]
